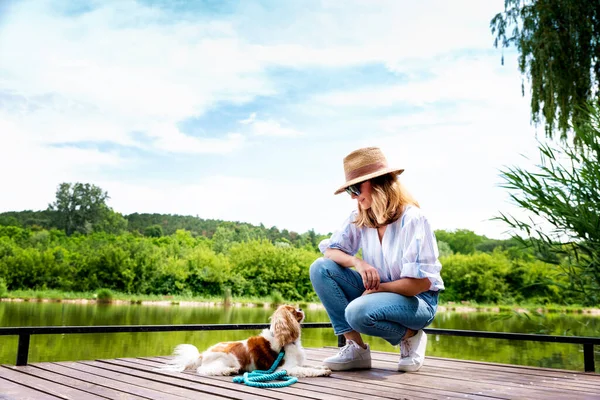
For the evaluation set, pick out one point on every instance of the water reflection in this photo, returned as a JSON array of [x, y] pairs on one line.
[[93, 346]]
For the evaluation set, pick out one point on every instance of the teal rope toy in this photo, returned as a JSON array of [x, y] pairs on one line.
[[259, 378]]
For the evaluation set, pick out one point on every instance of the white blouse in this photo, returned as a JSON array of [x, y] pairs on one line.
[[408, 248]]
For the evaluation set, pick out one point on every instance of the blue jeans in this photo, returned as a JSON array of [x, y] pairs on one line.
[[385, 315]]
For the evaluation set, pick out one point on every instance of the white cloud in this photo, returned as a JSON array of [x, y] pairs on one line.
[[342, 33], [108, 75], [127, 75], [32, 172], [248, 120], [268, 127], [170, 139], [272, 128], [456, 79]]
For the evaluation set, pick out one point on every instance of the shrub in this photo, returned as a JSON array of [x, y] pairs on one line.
[[105, 296], [276, 298], [227, 296], [3, 288]]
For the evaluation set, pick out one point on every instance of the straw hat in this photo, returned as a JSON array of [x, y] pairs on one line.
[[365, 164]]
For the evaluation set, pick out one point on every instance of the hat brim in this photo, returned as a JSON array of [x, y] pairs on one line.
[[369, 176]]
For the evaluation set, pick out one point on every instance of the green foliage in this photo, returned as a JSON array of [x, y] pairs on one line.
[[223, 239], [110, 222], [461, 241], [444, 249], [227, 259], [153, 231], [559, 52], [498, 279], [128, 263], [81, 209], [44, 219], [266, 267], [105, 296], [276, 298], [227, 296], [78, 207], [563, 197], [477, 277], [3, 288], [157, 225], [183, 265]]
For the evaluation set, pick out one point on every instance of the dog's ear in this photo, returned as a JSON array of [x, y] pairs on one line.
[[286, 328]]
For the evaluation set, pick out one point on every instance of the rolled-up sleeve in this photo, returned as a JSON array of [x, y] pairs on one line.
[[420, 252], [346, 239]]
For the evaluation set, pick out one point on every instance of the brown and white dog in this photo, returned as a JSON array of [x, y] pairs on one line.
[[257, 352]]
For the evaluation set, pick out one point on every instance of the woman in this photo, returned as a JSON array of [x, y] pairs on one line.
[[392, 292]]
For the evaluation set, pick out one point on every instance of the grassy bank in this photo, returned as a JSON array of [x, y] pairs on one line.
[[107, 296]]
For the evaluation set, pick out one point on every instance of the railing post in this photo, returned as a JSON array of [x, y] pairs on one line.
[[23, 350], [588, 357], [341, 341]]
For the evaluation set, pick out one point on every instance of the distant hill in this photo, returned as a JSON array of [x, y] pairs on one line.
[[459, 241], [167, 224]]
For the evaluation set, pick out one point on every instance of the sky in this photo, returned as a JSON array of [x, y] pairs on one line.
[[244, 110]]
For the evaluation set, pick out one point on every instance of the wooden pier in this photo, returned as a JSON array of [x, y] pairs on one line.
[[440, 378]]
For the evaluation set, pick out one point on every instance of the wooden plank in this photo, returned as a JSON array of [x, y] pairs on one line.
[[83, 380], [533, 371], [575, 381], [183, 380], [296, 390], [540, 371], [470, 384], [131, 384], [19, 375], [363, 389], [526, 373], [499, 376], [438, 388], [454, 381], [521, 369], [135, 378], [13, 391], [328, 350], [148, 363], [303, 383]]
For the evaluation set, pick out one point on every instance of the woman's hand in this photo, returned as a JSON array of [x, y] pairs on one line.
[[369, 275], [369, 291]]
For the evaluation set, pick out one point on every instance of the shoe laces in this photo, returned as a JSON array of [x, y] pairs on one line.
[[346, 348], [405, 348]]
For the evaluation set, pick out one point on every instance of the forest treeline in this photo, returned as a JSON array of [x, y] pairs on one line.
[[157, 225], [186, 255]]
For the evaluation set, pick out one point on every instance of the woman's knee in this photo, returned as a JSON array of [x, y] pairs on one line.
[[321, 267], [357, 315]]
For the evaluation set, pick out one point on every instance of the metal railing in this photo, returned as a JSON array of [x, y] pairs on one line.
[[25, 333]]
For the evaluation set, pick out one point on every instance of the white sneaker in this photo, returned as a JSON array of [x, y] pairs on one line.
[[412, 352], [351, 356]]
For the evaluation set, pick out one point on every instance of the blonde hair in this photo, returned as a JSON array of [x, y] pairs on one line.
[[389, 199]]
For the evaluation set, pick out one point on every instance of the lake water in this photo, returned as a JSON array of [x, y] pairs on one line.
[[94, 346]]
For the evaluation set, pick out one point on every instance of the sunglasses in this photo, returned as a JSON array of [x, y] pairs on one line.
[[354, 189]]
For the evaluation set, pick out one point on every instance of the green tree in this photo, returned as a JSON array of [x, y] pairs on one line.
[[79, 207], [559, 52], [111, 222], [153, 231], [477, 277], [444, 249], [461, 241], [223, 239], [563, 199]]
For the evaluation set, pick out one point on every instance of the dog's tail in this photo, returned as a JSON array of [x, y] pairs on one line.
[[187, 356]]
